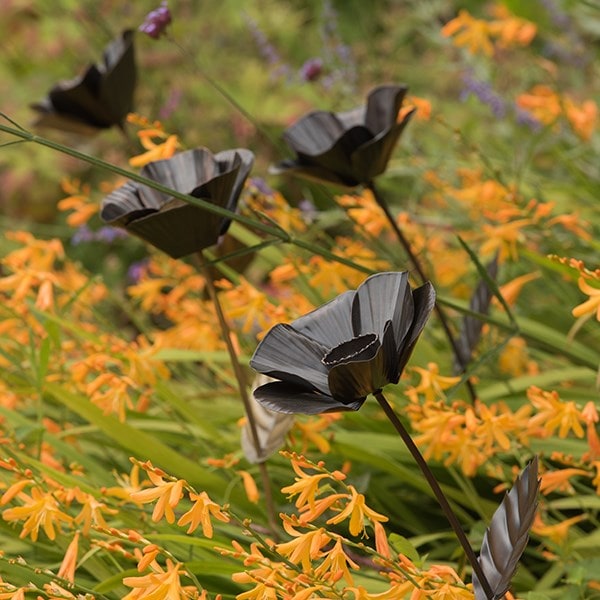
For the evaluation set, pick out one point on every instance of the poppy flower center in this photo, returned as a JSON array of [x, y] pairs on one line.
[[363, 347]]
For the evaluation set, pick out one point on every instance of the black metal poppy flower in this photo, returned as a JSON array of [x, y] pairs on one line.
[[347, 148], [172, 225], [98, 99], [335, 356]]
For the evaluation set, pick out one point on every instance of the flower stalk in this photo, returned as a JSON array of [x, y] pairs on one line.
[[419, 268], [243, 389], [437, 491]]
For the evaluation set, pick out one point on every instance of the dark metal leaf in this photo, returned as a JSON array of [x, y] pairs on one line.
[[470, 332], [291, 398], [287, 354], [330, 324], [506, 537], [272, 427]]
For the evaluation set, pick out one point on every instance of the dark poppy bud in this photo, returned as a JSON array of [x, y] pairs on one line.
[[98, 99], [312, 69], [348, 148], [156, 21], [332, 358], [172, 225]]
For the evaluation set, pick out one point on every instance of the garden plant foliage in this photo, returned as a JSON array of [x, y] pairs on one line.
[[450, 150]]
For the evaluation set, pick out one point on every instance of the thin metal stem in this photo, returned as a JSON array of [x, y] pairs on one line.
[[437, 491], [243, 390], [419, 268]]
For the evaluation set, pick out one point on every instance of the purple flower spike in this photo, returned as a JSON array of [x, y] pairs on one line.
[[156, 22]]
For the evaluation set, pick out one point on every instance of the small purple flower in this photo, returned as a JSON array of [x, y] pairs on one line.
[[525, 118], [484, 92], [108, 235], [82, 235], [312, 69], [137, 270], [156, 22]]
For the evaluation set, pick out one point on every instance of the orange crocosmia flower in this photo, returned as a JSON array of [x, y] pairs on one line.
[[583, 118], [252, 492], [592, 304], [305, 548], [553, 413], [154, 150], [128, 484], [307, 488], [557, 533], [422, 105], [357, 511], [590, 417], [473, 33], [337, 563], [200, 514], [92, 513], [574, 223], [365, 212], [504, 239], [432, 384], [542, 102], [161, 583], [510, 291], [168, 494], [39, 510], [558, 481], [511, 30], [69, 562], [514, 358], [78, 201]]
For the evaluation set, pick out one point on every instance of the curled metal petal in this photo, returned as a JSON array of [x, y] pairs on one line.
[[98, 99]]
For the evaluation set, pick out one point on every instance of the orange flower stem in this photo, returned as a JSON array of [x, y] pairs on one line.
[[419, 268], [437, 492], [243, 389]]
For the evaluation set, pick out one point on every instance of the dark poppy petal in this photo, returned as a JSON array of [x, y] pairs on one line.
[[354, 381], [424, 301], [78, 98], [121, 203], [98, 99], [178, 228], [337, 159], [287, 354], [183, 172], [391, 357], [315, 133], [371, 158], [119, 77], [381, 298], [360, 348], [383, 104], [239, 160], [330, 324], [290, 398]]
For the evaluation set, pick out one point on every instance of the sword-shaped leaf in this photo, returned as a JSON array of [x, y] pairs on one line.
[[506, 537]]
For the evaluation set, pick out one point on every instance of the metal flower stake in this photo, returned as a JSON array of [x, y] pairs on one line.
[[180, 228], [352, 148], [99, 98], [335, 356]]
